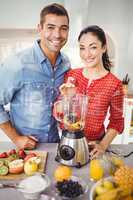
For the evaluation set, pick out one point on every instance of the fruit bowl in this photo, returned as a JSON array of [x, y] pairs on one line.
[[75, 188], [99, 183]]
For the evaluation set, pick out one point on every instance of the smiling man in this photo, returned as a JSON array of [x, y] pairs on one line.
[[30, 82]]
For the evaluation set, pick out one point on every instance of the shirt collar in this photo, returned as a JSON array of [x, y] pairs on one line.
[[40, 55]]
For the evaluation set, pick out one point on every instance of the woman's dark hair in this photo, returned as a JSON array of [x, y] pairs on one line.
[[53, 8], [97, 31]]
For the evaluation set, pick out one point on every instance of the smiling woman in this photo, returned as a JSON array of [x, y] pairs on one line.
[[101, 86]]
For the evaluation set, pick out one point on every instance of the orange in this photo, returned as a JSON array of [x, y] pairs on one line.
[[62, 173]]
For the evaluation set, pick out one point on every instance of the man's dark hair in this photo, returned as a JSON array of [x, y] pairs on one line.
[[54, 8]]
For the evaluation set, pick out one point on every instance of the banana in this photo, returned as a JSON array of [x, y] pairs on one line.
[[110, 195]]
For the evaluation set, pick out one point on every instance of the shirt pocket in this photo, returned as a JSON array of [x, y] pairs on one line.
[[35, 104], [35, 93]]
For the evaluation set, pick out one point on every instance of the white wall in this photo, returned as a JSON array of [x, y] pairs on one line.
[[116, 18], [22, 14]]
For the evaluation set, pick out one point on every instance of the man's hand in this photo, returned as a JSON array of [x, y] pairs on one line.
[[26, 142]]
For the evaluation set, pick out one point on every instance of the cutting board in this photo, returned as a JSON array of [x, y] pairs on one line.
[[42, 166]]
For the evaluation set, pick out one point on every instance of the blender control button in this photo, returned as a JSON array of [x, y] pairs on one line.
[[66, 152]]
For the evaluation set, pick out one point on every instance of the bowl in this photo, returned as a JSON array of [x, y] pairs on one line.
[[32, 186], [92, 194], [80, 182]]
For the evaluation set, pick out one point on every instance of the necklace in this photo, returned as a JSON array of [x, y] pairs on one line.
[[94, 74], [90, 75]]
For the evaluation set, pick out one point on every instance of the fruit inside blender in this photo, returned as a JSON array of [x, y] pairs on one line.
[[72, 122]]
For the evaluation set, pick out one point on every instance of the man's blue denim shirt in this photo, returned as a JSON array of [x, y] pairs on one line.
[[29, 83]]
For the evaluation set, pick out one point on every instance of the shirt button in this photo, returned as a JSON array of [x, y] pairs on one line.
[[48, 126], [52, 91], [52, 79], [51, 103]]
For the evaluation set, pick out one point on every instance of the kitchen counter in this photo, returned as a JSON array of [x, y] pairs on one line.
[[8, 194]]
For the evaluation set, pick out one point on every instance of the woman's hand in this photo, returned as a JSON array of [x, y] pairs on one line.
[[97, 150], [100, 148], [67, 89]]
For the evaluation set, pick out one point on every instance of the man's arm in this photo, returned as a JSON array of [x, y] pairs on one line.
[[10, 82], [27, 142]]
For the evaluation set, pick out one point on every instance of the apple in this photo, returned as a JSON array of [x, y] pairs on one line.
[[30, 167]]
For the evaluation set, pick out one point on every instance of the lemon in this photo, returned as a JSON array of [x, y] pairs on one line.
[[62, 173], [96, 170], [30, 167]]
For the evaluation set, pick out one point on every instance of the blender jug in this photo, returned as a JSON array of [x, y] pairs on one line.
[[73, 147]]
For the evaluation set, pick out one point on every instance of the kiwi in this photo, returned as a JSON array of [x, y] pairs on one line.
[[1, 163], [3, 170]]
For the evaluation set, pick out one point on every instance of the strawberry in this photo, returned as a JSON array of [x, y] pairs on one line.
[[3, 155], [21, 153], [12, 151]]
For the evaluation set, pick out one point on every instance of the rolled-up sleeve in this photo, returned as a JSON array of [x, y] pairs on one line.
[[9, 84], [116, 110]]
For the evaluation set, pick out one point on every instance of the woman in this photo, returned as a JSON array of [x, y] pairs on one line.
[[103, 88]]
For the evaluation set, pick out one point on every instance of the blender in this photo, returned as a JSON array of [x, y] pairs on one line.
[[73, 148]]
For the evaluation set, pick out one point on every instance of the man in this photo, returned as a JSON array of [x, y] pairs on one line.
[[29, 81]]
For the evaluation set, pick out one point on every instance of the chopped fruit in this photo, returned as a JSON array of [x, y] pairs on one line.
[[30, 155], [3, 155], [12, 157], [12, 151], [16, 166], [1, 163], [30, 167], [3, 170], [62, 173], [35, 159], [76, 125], [21, 153]]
